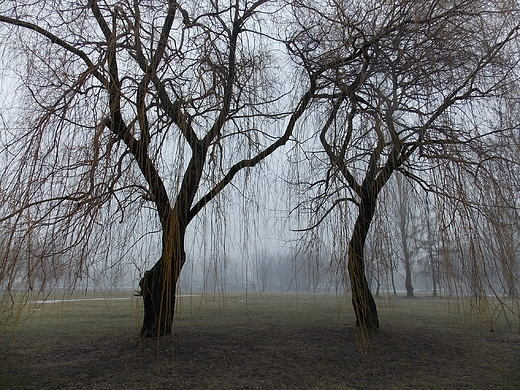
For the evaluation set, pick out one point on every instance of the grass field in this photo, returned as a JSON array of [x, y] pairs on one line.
[[270, 341]]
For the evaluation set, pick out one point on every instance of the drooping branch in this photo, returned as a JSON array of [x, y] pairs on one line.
[[248, 163], [92, 68]]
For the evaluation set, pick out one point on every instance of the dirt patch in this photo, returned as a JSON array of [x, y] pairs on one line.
[[266, 353]]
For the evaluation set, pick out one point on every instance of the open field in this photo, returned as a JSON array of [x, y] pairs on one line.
[[272, 341]]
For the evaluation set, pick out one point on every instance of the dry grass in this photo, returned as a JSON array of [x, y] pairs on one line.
[[262, 342]]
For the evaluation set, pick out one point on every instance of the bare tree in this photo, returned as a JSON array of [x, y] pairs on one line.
[[413, 82], [264, 270], [405, 231], [136, 106]]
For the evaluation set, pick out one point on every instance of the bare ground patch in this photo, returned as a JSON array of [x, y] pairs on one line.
[[271, 345]]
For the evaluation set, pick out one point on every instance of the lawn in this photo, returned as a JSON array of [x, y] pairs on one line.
[[269, 341]]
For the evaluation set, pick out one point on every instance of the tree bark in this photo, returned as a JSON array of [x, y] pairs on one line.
[[404, 224], [362, 299], [408, 278], [158, 287]]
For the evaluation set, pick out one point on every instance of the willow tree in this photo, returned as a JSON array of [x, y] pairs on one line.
[[132, 104], [417, 86]]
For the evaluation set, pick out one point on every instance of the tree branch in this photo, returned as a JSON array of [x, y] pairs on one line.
[[92, 68], [247, 163]]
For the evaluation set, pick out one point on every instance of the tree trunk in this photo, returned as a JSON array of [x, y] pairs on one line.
[[158, 287], [430, 249], [408, 278], [407, 258], [392, 279], [404, 224], [362, 299], [434, 271]]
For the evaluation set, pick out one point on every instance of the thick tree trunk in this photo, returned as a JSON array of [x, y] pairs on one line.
[[362, 299], [158, 288]]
